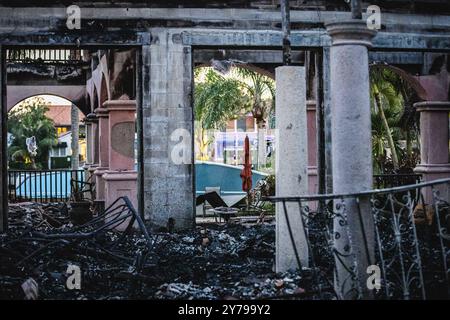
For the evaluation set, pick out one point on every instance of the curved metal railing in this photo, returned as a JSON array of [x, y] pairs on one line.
[[403, 232]]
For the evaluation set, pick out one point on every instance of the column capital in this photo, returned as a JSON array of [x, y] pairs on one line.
[[120, 105], [91, 118], [440, 106], [311, 105], [350, 32], [101, 112]]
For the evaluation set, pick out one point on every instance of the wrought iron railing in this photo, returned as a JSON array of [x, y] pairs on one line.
[[43, 185], [402, 232]]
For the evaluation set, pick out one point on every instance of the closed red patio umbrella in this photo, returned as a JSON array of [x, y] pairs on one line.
[[246, 173]]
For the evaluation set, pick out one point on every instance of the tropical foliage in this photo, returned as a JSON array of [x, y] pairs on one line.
[[219, 98], [394, 122], [26, 121], [262, 91]]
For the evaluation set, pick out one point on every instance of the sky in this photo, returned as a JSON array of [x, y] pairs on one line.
[[52, 100]]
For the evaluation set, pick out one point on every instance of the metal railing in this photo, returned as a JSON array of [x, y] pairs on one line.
[[43, 185], [402, 231], [44, 55], [84, 240], [395, 180]]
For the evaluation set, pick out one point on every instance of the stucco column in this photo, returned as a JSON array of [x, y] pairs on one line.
[[91, 127], [351, 152], [95, 144], [291, 164], [88, 126], [434, 137], [88, 162], [168, 132], [121, 178], [313, 187], [103, 138]]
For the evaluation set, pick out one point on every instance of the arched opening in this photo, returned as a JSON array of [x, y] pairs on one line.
[[42, 150], [395, 122], [232, 102]]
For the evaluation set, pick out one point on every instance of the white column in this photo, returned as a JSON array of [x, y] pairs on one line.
[[168, 186], [351, 151], [291, 164]]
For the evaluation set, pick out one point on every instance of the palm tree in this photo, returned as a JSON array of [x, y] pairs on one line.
[[26, 121], [408, 122], [384, 96], [261, 89], [393, 117], [217, 99], [220, 98]]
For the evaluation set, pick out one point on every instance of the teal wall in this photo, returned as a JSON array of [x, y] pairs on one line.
[[211, 174]]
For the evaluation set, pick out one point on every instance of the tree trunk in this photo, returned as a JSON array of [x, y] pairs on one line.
[[388, 130], [203, 144], [74, 128]]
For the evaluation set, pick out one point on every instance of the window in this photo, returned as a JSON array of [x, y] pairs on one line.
[[241, 125], [58, 152], [61, 130]]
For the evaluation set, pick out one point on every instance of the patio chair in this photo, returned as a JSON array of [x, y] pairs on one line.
[[212, 200]]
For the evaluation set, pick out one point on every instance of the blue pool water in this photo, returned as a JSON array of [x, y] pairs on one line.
[[227, 177], [207, 174], [47, 184]]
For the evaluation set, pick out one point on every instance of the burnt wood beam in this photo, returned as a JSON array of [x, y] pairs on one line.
[[223, 38], [202, 56], [389, 41], [286, 29], [117, 20]]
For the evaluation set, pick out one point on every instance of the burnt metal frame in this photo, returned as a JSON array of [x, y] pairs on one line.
[[120, 212]]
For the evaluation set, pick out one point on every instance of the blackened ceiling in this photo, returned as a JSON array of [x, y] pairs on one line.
[[401, 6]]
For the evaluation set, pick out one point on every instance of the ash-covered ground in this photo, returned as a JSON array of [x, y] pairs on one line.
[[210, 262]]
